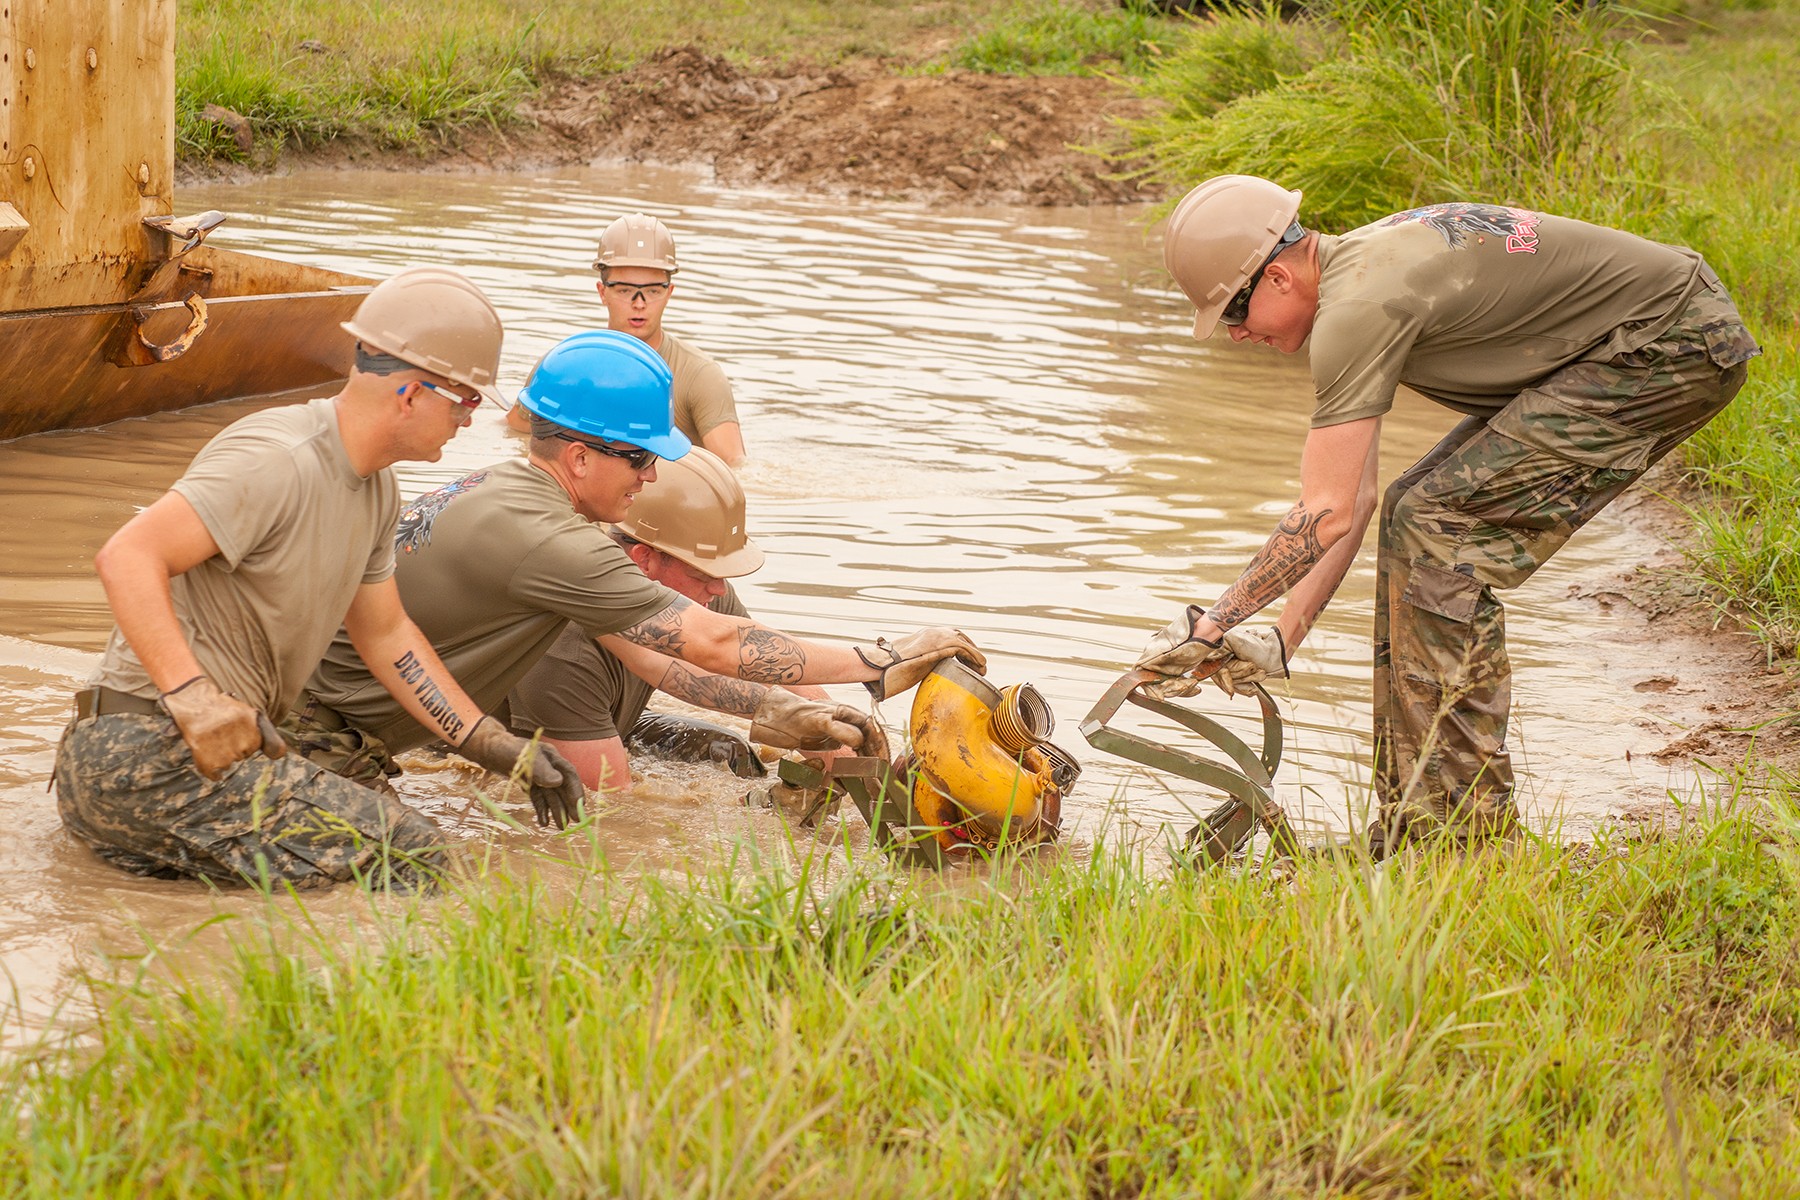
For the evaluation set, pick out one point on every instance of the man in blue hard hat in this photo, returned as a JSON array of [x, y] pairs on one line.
[[496, 565]]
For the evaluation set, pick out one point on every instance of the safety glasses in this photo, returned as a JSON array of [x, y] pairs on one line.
[[454, 397], [638, 291], [636, 457], [1238, 311]]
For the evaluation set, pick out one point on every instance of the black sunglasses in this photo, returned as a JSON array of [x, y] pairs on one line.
[[636, 457], [1238, 311]]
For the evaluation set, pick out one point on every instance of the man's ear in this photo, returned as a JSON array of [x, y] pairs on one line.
[[644, 556], [1280, 276]]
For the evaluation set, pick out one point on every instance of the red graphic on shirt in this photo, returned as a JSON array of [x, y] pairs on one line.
[[1455, 222]]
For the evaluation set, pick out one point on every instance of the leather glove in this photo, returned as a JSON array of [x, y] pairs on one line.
[[1255, 655], [219, 728], [555, 786], [795, 723], [1177, 653], [905, 662]]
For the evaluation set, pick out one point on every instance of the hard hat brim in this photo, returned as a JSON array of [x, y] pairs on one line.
[[654, 264], [745, 560]]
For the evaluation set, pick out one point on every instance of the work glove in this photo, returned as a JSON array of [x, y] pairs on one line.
[[793, 722], [904, 663], [1177, 653], [1255, 655], [555, 786], [219, 728]]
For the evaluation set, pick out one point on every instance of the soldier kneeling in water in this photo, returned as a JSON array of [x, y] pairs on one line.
[[590, 697]]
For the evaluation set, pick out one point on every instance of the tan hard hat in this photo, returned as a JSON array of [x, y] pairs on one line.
[[637, 241], [694, 511], [1219, 235], [435, 319]]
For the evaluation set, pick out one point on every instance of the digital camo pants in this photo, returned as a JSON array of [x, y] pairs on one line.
[[1481, 512], [126, 785]]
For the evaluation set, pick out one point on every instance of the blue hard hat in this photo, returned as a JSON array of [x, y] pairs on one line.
[[608, 385]]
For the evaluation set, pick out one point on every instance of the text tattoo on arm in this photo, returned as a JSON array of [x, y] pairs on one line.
[[1291, 551], [736, 696], [431, 697]]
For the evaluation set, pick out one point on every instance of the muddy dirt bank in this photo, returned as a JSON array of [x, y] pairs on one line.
[[854, 129]]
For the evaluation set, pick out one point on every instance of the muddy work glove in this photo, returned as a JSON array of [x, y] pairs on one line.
[[793, 722], [555, 786], [219, 728], [1254, 655], [904, 663], [1177, 653]]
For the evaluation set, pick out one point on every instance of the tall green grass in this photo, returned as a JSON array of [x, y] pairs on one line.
[[1615, 1019]]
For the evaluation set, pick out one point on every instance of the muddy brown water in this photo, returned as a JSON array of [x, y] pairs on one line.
[[989, 418]]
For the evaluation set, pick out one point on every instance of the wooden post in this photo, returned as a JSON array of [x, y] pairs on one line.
[[87, 146]]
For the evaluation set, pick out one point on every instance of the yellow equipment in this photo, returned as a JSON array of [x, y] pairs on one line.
[[983, 770]]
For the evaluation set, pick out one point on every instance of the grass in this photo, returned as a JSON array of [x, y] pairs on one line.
[[1057, 37], [1620, 1019], [1685, 129], [410, 73]]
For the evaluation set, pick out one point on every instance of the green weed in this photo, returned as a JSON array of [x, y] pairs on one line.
[[1057, 37], [1585, 1021]]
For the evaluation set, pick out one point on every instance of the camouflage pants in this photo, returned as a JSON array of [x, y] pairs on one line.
[[325, 739], [1481, 512], [126, 785]]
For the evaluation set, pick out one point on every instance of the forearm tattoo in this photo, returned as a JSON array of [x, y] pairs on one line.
[[665, 631], [738, 697], [1291, 551], [769, 656], [430, 696]]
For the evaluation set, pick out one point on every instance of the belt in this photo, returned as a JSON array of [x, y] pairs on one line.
[[105, 701]]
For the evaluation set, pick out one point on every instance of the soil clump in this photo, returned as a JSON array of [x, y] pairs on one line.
[[854, 129]]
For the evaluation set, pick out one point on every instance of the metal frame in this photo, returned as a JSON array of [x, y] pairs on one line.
[[881, 795], [1247, 780]]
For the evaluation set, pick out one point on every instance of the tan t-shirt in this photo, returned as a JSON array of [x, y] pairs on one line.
[[580, 693], [298, 532], [701, 394], [1471, 304], [491, 568]]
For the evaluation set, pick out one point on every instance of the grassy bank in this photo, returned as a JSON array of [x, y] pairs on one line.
[[410, 73], [1604, 1021], [1684, 128]]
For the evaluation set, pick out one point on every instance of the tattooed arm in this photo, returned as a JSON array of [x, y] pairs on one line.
[[398, 655], [721, 693], [741, 649], [1312, 549]]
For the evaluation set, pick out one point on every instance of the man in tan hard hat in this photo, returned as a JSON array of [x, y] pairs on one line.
[[685, 531], [637, 269], [497, 564], [1577, 356], [229, 588]]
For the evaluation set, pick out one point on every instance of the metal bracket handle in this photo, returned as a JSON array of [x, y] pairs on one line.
[[136, 350], [881, 795], [1247, 780]]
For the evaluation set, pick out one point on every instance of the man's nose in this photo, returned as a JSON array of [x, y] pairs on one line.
[[1238, 332]]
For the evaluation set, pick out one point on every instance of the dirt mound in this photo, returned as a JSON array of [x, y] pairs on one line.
[[849, 130]]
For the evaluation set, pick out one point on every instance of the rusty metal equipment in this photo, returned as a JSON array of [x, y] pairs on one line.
[[1246, 779], [110, 306]]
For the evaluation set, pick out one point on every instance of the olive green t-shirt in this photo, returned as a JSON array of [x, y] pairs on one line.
[[700, 392], [298, 532], [1470, 304], [579, 692], [491, 568]]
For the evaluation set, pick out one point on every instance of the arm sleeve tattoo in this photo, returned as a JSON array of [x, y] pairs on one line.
[[430, 696], [1291, 551], [662, 631], [738, 697]]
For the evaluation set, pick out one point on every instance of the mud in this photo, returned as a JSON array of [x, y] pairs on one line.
[[853, 130]]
